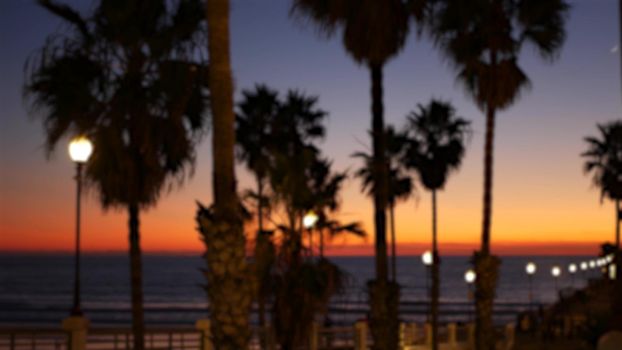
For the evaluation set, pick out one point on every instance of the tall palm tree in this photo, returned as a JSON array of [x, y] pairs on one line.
[[483, 39], [400, 184], [228, 277], [604, 161], [436, 148], [131, 76], [373, 32], [257, 112]]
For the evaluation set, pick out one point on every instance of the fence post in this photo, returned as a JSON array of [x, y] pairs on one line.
[[427, 328], [471, 335], [314, 336], [77, 327], [360, 335], [509, 336], [451, 334], [203, 325]]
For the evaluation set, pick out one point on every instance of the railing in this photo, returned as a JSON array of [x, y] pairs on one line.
[[76, 335], [155, 338], [33, 338]]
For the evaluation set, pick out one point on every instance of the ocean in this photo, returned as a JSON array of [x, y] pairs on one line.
[[37, 289]]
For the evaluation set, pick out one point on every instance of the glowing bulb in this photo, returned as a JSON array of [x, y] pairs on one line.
[[469, 276], [309, 220], [530, 268], [426, 257], [572, 268], [80, 149], [556, 271]]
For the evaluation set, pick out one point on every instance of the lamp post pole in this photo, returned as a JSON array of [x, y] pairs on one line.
[[80, 149], [76, 310], [530, 268]]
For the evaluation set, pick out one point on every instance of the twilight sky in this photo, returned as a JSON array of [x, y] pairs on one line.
[[543, 203]]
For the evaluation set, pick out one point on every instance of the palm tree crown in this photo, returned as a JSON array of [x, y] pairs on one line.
[[436, 143], [604, 159]]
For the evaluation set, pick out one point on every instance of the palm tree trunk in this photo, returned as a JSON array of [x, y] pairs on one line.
[[261, 302], [229, 287], [486, 265], [383, 295], [618, 218], [380, 173], [435, 276], [321, 243], [393, 254], [136, 276]]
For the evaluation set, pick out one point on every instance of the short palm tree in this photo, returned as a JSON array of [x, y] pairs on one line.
[[400, 184], [229, 290], [437, 138], [131, 77], [603, 159], [483, 39], [373, 32]]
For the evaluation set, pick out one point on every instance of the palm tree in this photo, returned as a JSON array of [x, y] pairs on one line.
[[604, 161], [373, 32], [483, 39], [257, 112], [400, 184], [131, 76], [436, 148], [228, 277]]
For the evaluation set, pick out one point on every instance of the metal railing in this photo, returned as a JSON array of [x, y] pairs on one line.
[[33, 338], [161, 338]]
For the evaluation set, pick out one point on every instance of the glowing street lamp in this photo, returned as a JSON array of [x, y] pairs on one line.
[[469, 278], [572, 268], [308, 221], [427, 259], [556, 272], [530, 268], [592, 264], [80, 149]]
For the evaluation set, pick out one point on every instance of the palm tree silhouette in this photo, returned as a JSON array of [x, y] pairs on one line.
[[256, 114], [400, 184], [436, 147], [604, 161], [145, 112], [373, 32], [228, 276], [483, 39]]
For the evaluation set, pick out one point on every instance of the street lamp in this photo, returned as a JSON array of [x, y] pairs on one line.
[[80, 149], [308, 221], [556, 272], [469, 278], [530, 268], [572, 268], [427, 259]]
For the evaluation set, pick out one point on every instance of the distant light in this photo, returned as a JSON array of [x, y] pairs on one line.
[[556, 271], [80, 149], [309, 220], [469, 276], [583, 266], [426, 257], [592, 264], [572, 268], [530, 268]]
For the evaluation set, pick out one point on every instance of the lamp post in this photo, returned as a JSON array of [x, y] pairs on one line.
[[427, 260], [530, 268], [308, 221], [469, 278], [572, 268], [80, 149], [556, 272]]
